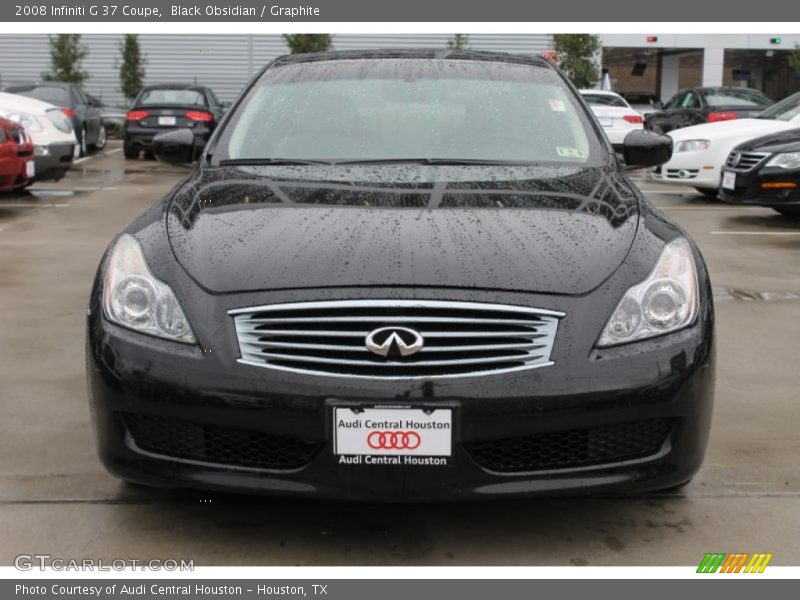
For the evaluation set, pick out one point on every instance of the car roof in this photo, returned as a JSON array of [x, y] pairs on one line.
[[428, 53], [600, 92], [173, 86], [61, 84]]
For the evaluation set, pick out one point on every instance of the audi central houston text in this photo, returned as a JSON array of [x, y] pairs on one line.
[[404, 275]]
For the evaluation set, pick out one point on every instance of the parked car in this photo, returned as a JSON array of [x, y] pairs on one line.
[[162, 107], [766, 172], [83, 112], [53, 138], [700, 151], [643, 102], [16, 156], [404, 275], [112, 117], [614, 114], [694, 106]]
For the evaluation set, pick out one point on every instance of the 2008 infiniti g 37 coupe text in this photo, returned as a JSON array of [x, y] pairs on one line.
[[404, 275]]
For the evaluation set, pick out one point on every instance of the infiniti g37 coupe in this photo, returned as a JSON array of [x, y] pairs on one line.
[[404, 275]]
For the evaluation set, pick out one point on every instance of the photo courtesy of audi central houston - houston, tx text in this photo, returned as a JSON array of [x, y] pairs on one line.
[[399, 299]]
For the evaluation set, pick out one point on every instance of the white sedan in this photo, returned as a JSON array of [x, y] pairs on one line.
[[700, 151], [615, 115]]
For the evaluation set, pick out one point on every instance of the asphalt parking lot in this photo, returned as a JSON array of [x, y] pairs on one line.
[[55, 497]]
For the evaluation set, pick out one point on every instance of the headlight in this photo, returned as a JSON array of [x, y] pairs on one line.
[[133, 298], [41, 150], [29, 122], [60, 120], [688, 145], [666, 301], [785, 160]]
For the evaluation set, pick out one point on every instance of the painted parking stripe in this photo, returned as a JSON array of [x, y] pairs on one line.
[[31, 205], [85, 158]]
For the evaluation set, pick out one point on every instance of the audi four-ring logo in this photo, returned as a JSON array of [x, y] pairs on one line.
[[394, 440]]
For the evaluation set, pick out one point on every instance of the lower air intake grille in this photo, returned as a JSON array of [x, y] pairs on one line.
[[573, 448], [454, 338], [218, 445]]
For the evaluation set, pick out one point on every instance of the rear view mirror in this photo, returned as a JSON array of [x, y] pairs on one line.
[[644, 148], [175, 147]]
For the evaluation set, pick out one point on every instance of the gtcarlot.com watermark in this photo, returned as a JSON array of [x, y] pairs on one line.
[[42, 562]]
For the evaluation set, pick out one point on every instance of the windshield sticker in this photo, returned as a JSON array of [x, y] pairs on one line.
[[570, 152], [557, 105]]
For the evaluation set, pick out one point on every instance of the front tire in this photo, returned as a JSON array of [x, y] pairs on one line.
[[130, 152], [710, 193], [788, 211]]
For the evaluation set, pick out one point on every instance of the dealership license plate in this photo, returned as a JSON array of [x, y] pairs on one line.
[[392, 436], [166, 121], [30, 169], [729, 180], [76, 151], [606, 121]]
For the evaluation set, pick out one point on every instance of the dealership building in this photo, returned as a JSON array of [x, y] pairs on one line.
[[656, 63]]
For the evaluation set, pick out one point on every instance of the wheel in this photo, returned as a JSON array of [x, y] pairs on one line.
[[148, 154], [130, 151], [102, 138], [83, 140], [710, 193], [788, 211]]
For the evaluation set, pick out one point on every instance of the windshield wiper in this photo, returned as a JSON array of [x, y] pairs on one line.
[[245, 162], [432, 161]]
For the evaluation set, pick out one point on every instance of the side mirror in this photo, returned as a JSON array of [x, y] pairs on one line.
[[175, 147], [644, 148], [225, 105]]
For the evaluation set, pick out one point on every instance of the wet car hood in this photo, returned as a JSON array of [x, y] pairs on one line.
[[555, 230], [785, 141]]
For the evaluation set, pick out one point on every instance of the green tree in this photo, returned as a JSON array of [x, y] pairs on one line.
[[576, 57], [66, 55], [299, 43], [794, 58], [131, 68], [460, 41]]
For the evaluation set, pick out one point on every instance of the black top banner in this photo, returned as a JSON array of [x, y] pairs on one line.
[[396, 11]]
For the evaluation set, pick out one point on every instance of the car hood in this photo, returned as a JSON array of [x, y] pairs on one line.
[[736, 128], [554, 230], [784, 141]]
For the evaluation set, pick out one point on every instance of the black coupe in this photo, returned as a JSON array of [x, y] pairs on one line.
[[404, 275]]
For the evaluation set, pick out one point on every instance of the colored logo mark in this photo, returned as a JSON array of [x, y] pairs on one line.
[[736, 562]]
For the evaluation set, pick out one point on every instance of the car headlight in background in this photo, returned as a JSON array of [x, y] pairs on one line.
[[665, 301], [133, 298], [29, 122], [689, 145], [59, 120], [785, 160]]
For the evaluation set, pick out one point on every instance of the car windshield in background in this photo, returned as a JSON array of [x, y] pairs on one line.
[[641, 99], [604, 100], [732, 97], [46, 93], [171, 96], [785, 110], [409, 109]]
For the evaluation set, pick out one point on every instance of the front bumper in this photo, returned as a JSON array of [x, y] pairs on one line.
[[686, 168], [749, 188], [201, 396], [55, 162]]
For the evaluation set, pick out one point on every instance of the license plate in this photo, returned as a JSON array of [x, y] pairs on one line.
[[392, 436], [30, 169], [728, 180], [606, 121], [166, 121], [76, 151]]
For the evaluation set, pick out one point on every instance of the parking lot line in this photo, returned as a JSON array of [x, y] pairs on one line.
[[32, 205]]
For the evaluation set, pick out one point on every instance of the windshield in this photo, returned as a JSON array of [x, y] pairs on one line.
[[46, 93], [786, 110], [604, 100], [396, 109], [641, 99], [734, 97], [171, 96]]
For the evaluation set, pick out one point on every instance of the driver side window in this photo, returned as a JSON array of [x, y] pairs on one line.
[[690, 100]]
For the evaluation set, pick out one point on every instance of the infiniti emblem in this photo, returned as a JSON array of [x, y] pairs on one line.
[[394, 342]]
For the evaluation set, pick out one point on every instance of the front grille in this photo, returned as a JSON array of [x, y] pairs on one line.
[[187, 440], [682, 173], [572, 449], [459, 338], [744, 162]]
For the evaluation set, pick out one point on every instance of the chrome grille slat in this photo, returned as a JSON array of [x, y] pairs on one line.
[[461, 339], [746, 162]]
